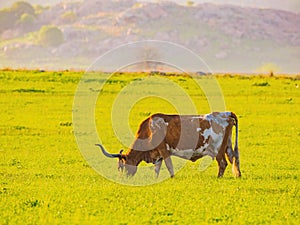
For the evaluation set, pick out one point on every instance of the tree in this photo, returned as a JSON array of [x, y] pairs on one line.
[[51, 36], [26, 22], [7, 20], [269, 68], [150, 57], [11, 17], [19, 8]]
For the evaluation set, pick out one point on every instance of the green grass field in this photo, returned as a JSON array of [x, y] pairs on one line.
[[44, 179]]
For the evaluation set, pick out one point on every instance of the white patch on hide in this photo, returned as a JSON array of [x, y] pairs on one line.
[[202, 148], [158, 123], [206, 134], [220, 119], [216, 141]]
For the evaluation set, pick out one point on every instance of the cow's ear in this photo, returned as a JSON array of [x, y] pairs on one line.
[[122, 156]]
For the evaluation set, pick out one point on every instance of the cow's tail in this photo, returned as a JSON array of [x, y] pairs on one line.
[[236, 155]]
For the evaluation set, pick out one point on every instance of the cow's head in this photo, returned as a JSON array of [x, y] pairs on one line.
[[129, 169]]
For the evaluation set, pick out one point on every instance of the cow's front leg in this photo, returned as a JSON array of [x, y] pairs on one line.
[[157, 167], [169, 165], [166, 155]]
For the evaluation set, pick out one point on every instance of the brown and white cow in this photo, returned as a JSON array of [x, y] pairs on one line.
[[187, 136]]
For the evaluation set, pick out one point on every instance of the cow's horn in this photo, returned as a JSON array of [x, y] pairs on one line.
[[108, 154]]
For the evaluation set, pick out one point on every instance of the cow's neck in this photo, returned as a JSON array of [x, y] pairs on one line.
[[134, 158]]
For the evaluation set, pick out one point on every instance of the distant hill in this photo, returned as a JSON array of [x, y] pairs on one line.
[[7, 3], [229, 38], [289, 5]]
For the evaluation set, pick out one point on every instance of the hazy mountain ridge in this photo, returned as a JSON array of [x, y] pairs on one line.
[[226, 36]]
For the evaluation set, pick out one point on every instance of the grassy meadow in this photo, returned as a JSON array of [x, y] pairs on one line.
[[44, 179]]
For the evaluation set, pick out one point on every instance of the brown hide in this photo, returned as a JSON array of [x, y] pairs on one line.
[[187, 136], [178, 132]]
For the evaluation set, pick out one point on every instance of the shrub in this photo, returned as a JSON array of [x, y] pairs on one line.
[[51, 36], [262, 84]]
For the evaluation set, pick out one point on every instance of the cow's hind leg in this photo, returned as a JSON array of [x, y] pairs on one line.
[[222, 164], [236, 163], [233, 157], [229, 151], [221, 159]]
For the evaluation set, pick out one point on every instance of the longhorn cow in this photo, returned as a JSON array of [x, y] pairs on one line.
[[191, 137]]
